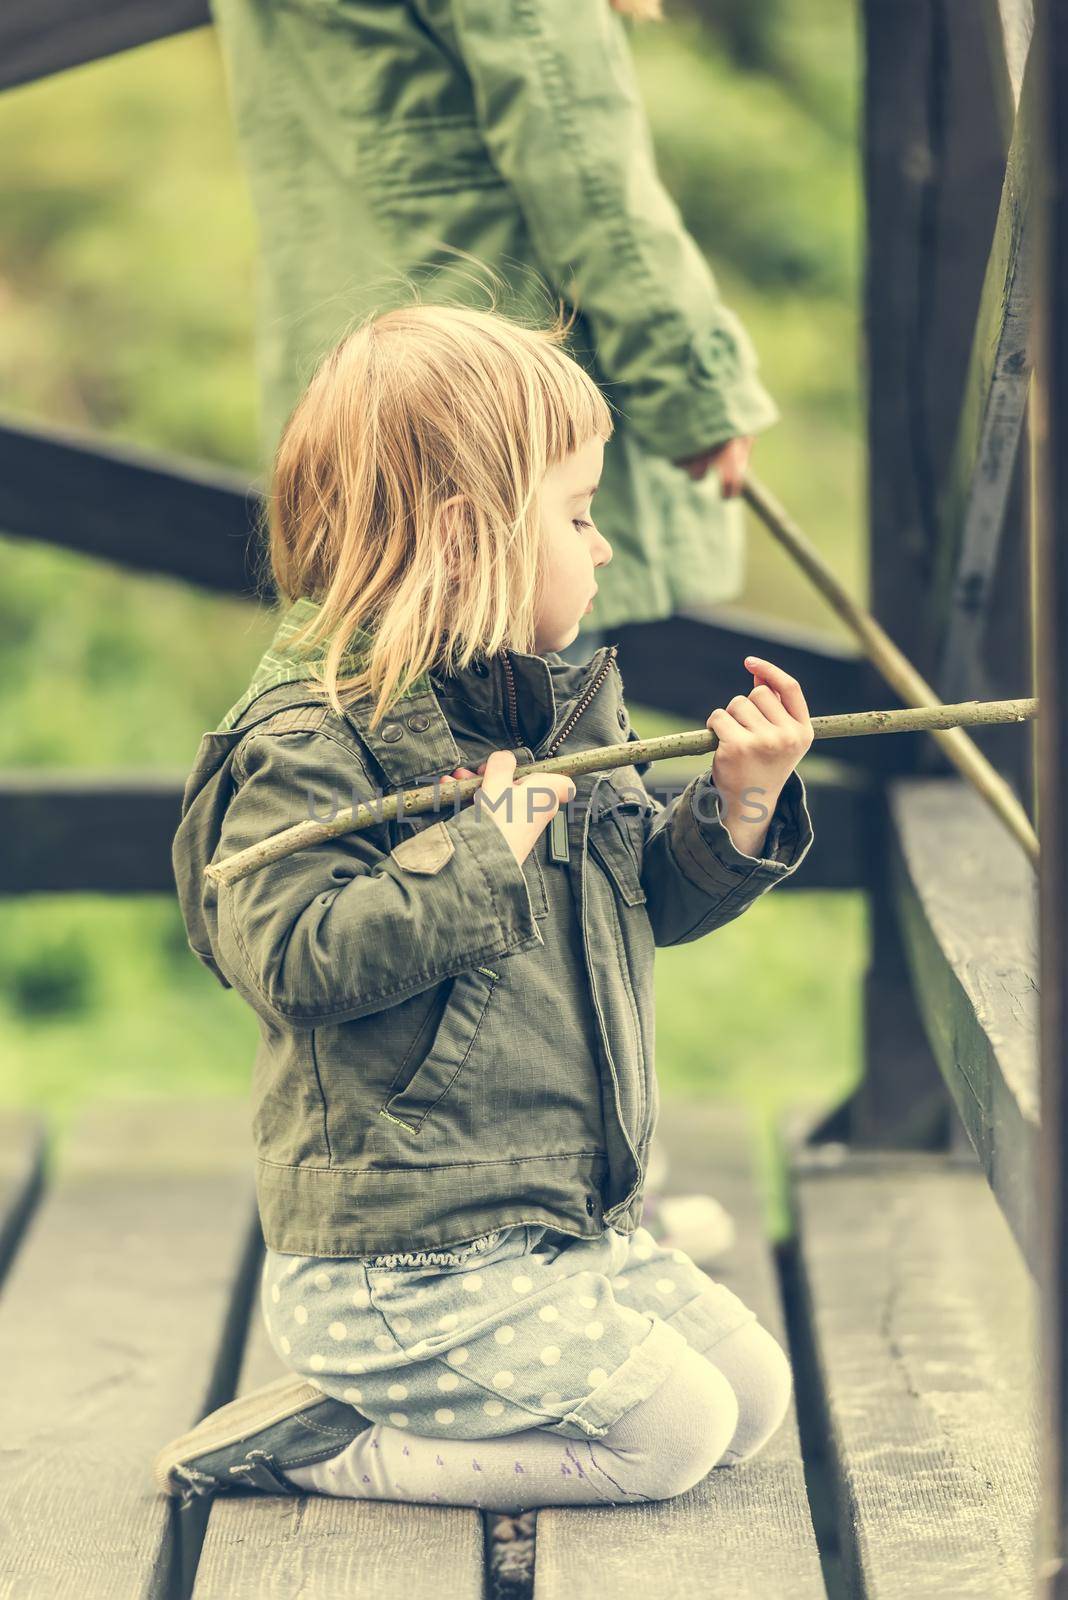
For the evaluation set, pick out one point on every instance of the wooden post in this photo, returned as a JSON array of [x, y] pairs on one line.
[[934, 163], [1050, 424]]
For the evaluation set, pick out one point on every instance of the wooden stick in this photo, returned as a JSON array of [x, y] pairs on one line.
[[895, 666], [453, 791]]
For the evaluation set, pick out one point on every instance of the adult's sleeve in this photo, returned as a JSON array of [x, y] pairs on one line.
[[347, 927], [559, 107]]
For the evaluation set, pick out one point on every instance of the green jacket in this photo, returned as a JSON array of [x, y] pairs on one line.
[[449, 1041], [400, 143]]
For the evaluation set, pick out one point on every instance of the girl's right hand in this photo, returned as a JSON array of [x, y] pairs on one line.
[[529, 807]]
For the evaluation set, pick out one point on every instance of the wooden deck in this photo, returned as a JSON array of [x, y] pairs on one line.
[[128, 1310]]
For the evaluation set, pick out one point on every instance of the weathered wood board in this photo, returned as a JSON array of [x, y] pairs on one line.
[[923, 1319]]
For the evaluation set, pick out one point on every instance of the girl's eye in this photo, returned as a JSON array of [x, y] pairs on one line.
[[580, 524]]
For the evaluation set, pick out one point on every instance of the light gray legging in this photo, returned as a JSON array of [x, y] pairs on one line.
[[710, 1411]]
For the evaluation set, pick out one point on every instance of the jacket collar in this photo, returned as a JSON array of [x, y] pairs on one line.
[[546, 687]]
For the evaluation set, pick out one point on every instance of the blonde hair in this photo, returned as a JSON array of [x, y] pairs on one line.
[[404, 495]]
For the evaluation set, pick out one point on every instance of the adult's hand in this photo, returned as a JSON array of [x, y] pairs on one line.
[[728, 460]]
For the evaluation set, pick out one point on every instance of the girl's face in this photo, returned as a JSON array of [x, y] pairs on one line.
[[572, 548]]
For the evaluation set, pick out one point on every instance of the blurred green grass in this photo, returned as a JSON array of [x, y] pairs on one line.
[[126, 296]]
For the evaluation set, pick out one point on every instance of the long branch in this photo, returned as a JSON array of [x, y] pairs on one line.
[[452, 792]]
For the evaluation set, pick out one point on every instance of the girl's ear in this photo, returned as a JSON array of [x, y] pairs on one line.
[[454, 533]]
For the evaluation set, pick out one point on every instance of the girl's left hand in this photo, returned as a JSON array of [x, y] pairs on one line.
[[762, 736]]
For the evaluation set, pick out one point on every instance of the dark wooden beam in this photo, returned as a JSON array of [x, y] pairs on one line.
[[712, 643], [934, 160], [40, 37], [148, 512], [964, 897], [155, 513], [69, 832]]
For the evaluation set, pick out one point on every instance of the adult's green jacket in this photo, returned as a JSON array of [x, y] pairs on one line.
[[400, 143]]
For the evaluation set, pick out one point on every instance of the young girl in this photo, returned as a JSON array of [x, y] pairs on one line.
[[454, 1090]]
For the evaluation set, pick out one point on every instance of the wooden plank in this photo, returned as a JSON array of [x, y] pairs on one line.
[[144, 510], [977, 608], [257, 1547], [923, 1322], [964, 896], [743, 1531], [21, 1176], [117, 1330], [39, 37], [1051, 602]]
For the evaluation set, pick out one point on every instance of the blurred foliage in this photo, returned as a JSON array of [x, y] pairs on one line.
[[127, 293], [764, 185]]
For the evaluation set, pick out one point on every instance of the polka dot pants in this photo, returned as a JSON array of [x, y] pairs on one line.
[[524, 1327]]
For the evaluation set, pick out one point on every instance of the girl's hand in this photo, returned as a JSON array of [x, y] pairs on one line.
[[762, 737], [729, 461], [528, 805]]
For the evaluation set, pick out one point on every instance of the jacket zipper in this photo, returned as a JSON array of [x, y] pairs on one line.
[[513, 704], [591, 689], [550, 749], [602, 673]]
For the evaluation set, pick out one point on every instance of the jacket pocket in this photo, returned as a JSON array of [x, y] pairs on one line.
[[411, 827], [615, 838], [466, 1004]]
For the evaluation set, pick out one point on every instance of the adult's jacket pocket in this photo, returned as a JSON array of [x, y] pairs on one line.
[[454, 1040]]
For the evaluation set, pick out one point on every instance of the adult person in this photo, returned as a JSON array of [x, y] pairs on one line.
[[498, 152]]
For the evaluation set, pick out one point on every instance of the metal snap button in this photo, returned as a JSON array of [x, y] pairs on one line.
[[419, 722], [622, 715], [392, 731], [591, 1206]]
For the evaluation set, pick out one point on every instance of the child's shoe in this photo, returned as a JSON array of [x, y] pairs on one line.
[[249, 1442], [695, 1223]]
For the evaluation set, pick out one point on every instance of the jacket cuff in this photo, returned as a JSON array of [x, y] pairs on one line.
[[709, 852], [722, 398]]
